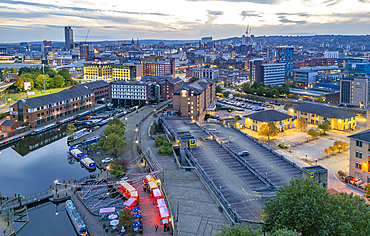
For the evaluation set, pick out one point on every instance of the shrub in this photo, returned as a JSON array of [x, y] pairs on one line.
[[158, 141]]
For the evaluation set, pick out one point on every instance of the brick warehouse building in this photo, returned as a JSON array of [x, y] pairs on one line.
[[100, 89], [194, 99], [39, 110]]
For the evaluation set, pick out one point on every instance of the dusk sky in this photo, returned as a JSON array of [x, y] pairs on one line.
[[37, 20]]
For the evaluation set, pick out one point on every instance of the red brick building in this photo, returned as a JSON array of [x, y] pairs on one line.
[[39, 110], [168, 87], [100, 89], [157, 68]]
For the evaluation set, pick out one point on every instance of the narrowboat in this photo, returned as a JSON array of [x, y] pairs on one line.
[[88, 163], [76, 219]]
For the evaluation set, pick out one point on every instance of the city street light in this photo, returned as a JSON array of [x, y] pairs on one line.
[[107, 171], [306, 156], [316, 160]]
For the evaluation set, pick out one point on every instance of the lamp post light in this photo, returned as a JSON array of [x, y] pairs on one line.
[[107, 171], [306, 156], [316, 160]]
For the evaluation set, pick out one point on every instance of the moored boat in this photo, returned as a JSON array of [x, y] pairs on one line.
[[88, 163], [76, 219]]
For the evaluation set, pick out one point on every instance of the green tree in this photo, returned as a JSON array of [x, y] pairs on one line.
[[1, 75], [226, 94], [57, 81], [301, 123], [112, 141], [71, 129], [158, 141], [218, 89], [268, 130], [39, 82], [284, 89], [306, 206], [274, 93], [116, 121], [240, 230], [254, 85], [325, 126], [114, 129], [126, 219], [312, 133]]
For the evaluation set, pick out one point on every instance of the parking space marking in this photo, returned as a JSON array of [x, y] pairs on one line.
[[244, 191], [217, 162]]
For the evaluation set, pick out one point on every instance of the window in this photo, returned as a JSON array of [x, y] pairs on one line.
[[358, 154], [358, 165], [358, 143]]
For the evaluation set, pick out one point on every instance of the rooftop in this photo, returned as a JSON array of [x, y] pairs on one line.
[[362, 136], [268, 116], [93, 85], [196, 87], [56, 97], [324, 111]]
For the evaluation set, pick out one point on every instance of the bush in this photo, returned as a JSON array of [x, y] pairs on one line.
[[158, 141]]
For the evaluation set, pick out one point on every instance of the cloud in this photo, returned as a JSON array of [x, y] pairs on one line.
[[246, 14], [215, 13], [292, 21]]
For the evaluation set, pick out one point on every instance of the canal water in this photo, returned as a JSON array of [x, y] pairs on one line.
[[31, 166]]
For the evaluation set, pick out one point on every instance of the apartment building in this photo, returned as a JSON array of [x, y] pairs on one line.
[[359, 156], [195, 99]]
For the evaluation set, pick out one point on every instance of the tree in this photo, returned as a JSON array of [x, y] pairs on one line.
[[126, 218], [1, 75], [39, 82], [218, 89], [115, 152], [327, 151], [312, 133], [57, 81], [284, 89], [114, 129], [118, 167], [287, 106], [112, 141], [333, 149], [324, 126], [274, 93], [367, 191], [158, 141], [71, 129], [306, 206], [226, 94], [342, 146], [240, 230], [268, 130], [301, 123]]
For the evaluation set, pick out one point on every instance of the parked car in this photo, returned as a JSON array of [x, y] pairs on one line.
[[243, 153], [229, 110], [107, 160]]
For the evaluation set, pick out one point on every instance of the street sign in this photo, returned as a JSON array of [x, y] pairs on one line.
[[312, 174], [192, 141]]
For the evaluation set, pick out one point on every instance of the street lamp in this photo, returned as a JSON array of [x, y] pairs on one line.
[[107, 171], [306, 156], [316, 160]]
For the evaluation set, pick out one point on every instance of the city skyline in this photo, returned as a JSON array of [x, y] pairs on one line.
[[187, 19]]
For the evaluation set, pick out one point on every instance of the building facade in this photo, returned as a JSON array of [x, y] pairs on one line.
[[39, 110], [157, 68], [284, 54], [355, 91], [121, 72], [97, 71], [168, 87], [132, 93], [99, 88], [68, 36], [267, 73], [194, 99], [316, 114], [254, 121], [206, 72], [359, 156]]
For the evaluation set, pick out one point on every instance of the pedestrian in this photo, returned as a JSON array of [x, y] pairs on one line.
[[156, 228]]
